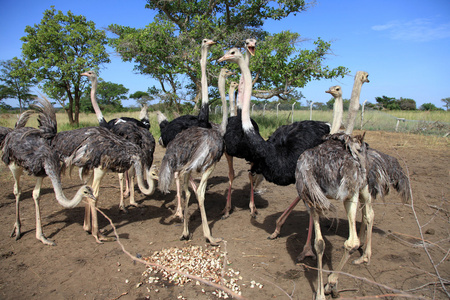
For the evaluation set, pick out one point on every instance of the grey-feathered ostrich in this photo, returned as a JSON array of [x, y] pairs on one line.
[[195, 149], [336, 91], [344, 168], [275, 158], [28, 149], [169, 130], [99, 150], [133, 130]]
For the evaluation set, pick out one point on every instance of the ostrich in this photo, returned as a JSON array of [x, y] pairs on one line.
[[170, 129], [236, 141], [194, 149], [336, 91], [100, 150], [274, 158], [133, 130], [346, 169], [26, 148]]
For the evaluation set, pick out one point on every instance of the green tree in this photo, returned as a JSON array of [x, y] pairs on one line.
[[407, 104], [168, 48], [428, 106], [345, 103], [386, 102], [446, 102], [58, 50], [18, 81], [111, 94], [142, 98]]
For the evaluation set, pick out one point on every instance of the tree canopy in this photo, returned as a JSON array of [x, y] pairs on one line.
[[58, 50], [18, 81], [168, 49]]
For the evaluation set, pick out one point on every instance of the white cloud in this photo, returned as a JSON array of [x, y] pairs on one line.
[[417, 30]]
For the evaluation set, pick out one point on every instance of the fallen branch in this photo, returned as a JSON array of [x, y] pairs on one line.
[[134, 258]]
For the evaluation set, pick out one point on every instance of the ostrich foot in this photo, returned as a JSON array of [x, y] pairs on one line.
[[214, 241], [253, 212], [178, 215], [185, 237], [363, 259], [16, 231], [126, 194], [135, 204], [100, 238], [331, 288], [307, 252], [274, 235], [123, 209], [226, 213], [45, 241]]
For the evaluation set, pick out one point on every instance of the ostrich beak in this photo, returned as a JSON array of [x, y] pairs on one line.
[[251, 49], [84, 74], [225, 57]]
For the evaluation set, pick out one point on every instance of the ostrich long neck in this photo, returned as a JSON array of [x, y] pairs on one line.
[[221, 83], [146, 190], [338, 111], [247, 94], [53, 172], [354, 102], [231, 98], [204, 114], [97, 110]]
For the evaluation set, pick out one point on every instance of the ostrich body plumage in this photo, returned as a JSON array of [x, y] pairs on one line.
[[28, 149]]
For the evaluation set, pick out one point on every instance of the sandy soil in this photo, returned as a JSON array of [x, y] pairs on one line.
[[78, 268]]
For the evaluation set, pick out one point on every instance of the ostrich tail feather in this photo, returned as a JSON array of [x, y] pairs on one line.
[[165, 176]]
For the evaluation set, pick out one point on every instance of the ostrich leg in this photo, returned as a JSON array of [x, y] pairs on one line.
[[319, 245], [179, 211], [17, 172], [366, 227], [226, 210], [201, 203], [350, 245], [187, 196], [36, 196]]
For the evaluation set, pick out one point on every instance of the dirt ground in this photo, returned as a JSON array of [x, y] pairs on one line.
[[79, 268]]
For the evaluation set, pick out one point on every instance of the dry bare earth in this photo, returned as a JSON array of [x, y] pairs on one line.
[[78, 268]]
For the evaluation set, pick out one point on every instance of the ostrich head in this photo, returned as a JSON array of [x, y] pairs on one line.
[[91, 75], [362, 76], [234, 84], [335, 91], [206, 43], [233, 55], [250, 45], [224, 72]]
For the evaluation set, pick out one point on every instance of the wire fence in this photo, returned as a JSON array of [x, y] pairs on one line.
[[369, 120]]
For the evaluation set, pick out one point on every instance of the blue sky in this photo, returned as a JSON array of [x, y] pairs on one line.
[[403, 45]]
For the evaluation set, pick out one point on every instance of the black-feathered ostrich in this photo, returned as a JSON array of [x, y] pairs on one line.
[[236, 144], [3, 132], [28, 149], [275, 158], [133, 130], [169, 130], [196, 149]]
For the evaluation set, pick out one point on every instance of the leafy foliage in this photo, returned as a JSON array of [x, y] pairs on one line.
[[168, 48], [18, 81], [58, 49]]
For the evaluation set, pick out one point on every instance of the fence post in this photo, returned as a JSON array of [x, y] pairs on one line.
[[277, 109], [264, 109], [362, 113], [252, 108], [310, 110], [398, 121], [292, 112]]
